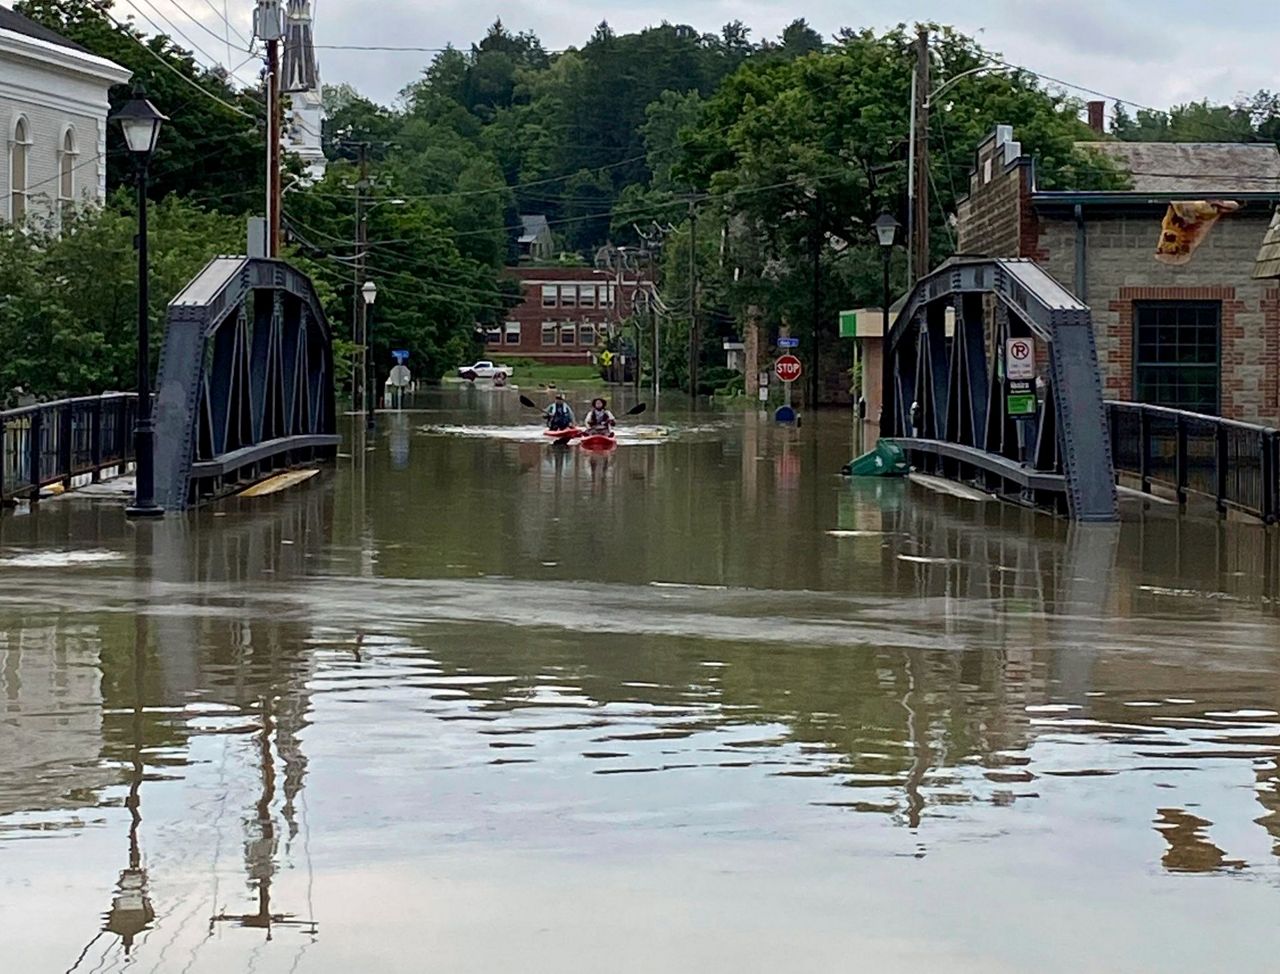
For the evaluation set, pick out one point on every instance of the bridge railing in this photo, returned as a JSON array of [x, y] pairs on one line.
[[55, 442], [1235, 464]]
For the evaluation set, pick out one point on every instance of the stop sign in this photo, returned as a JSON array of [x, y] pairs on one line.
[[788, 368]]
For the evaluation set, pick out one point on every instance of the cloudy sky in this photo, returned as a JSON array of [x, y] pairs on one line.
[[1152, 52]]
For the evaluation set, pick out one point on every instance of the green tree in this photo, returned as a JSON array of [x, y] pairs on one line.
[[77, 336]]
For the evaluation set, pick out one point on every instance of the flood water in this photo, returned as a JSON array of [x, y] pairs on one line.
[[467, 702]]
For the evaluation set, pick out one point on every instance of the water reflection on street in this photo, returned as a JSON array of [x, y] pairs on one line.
[[473, 702]]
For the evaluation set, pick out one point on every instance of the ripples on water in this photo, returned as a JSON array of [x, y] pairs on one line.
[[489, 753]]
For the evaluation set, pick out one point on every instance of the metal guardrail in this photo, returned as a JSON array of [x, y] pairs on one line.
[[1236, 464], [54, 442]]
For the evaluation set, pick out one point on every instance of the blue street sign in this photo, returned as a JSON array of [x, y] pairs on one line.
[[788, 342], [401, 355]]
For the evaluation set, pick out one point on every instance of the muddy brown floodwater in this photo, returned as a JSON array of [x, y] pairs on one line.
[[471, 703]]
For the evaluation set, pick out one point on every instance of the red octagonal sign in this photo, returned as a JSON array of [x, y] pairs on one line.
[[788, 368]]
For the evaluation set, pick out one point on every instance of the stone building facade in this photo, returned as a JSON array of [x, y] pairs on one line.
[[1203, 336], [53, 109]]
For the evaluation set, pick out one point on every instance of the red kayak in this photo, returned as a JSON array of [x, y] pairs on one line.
[[598, 442], [563, 436]]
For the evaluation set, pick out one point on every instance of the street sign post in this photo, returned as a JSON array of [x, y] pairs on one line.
[[1020, 400], [399, 378], [788, 369], [401, 355], [787, 341]]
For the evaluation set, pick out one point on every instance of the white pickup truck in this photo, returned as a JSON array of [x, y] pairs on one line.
[[484, 370]]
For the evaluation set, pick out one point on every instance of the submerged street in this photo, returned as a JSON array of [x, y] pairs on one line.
[[466, 701]]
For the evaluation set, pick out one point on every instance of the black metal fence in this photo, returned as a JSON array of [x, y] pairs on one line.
[[1237, 465], [54, 442]]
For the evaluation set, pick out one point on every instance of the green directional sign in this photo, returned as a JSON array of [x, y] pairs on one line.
[[848, 324], [1021, 404]]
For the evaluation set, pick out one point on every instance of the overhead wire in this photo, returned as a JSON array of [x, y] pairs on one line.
[[170, 67], [173, 31]]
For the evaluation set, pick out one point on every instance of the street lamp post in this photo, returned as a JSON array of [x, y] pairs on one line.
[[370, 294], [140, 122], [886, 233]]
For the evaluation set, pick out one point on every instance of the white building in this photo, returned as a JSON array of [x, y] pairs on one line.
[[53, 113]]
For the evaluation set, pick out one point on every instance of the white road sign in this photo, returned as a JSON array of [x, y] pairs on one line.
[[400, 377], [1019, 359]]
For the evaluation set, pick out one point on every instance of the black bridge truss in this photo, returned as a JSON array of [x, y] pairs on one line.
[[246, 380], [945, 400]]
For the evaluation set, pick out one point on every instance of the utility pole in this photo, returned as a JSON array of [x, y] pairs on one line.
[[274, 125], [815, 359], [919, 228], [360, 324], [268, 26], [695, 343]]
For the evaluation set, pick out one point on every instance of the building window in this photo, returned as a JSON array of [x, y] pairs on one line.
[[18, 171], [568, 295], [492, 335], [587, 296], [568, 333], [513, 332], [549, 331], [586, 333], [548, 295], [606, 295], [67, 170], [1176, 360]]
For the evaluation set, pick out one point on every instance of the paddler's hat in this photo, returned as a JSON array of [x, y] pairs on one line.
[[559, 395], [599, 403]]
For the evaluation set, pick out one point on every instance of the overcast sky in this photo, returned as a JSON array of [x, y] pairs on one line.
[[1154, 52]]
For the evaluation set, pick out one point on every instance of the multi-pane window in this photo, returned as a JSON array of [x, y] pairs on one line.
[[606, 295], [587, 296], [549, 332], [18, 171], [587, 333], [568, 333], [1176, 354], [492, 335], [513, 332], [549, 292], [568, 295]]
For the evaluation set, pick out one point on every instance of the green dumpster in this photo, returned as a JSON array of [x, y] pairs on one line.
[[886, 460]]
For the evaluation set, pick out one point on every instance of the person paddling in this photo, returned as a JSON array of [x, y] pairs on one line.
[[599, 421], [559, 415]]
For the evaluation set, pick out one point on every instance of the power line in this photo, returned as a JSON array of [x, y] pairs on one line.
[[169, 66], [173, 31]]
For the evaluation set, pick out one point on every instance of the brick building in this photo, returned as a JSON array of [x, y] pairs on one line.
[[566, 314], [1203, 336]]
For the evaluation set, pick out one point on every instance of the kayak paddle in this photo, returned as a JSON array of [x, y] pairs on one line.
[[526, 401]]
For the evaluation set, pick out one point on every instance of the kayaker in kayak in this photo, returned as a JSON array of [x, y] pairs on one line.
[[599, 421], [559, 415]]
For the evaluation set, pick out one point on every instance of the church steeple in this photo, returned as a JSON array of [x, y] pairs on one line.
[[300, 77], [299, 71]]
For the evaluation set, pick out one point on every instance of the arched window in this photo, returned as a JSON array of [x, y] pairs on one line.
[[67, 169], [18, 171]]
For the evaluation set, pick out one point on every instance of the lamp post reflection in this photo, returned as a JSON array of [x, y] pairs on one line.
[[131, 911]]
